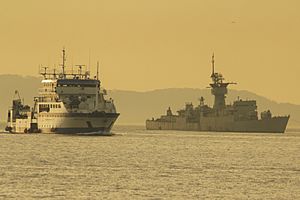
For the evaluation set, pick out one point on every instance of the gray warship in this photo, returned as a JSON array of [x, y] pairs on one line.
[[241, 116], [69, 101]]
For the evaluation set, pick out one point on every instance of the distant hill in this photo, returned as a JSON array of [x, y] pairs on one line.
[[136, 107]]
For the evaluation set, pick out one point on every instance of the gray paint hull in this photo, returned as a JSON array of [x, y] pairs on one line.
[[215, 124]]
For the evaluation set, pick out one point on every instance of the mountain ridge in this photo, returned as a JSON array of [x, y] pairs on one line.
[[137, 106]]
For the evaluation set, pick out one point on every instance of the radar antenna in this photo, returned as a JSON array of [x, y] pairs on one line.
[[45, 72], [80, 70]]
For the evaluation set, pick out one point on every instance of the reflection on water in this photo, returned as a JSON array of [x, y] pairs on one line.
[[139, 164]]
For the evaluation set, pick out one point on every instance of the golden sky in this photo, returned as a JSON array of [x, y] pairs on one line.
[[151, 44]]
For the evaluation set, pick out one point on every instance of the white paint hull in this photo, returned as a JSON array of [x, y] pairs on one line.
[[93, 123]]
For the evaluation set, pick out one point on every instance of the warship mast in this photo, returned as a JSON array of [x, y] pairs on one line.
[[218, 87]]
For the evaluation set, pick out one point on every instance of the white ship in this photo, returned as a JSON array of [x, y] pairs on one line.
[[68, 102]]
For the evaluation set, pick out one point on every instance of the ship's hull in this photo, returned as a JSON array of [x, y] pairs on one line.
[[272, 125], [77, 123], [97, 123]]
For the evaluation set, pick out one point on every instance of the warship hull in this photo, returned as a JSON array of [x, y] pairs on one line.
[[272, 125]]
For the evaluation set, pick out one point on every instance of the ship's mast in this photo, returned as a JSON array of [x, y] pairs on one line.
[[97, 70], [63, 62], [213, 65], [97, 88], [80, 74], [218, 87], [54, 73], [89, 67]]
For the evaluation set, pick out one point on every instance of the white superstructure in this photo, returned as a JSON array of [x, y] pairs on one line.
[[68, 103]]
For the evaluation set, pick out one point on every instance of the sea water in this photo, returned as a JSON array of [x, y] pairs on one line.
[[140, 164]]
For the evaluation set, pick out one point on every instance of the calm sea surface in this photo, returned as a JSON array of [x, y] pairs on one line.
[[139, 164]]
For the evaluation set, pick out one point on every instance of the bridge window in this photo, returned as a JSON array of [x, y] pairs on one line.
[[44, 108]]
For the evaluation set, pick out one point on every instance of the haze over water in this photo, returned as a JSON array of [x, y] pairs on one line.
[[139, 164], [146, 45]]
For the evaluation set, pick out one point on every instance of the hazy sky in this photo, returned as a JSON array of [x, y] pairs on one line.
[[150, 44]]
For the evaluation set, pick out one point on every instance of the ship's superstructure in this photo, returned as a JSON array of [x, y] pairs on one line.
[[241, 116], [68, 102]]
